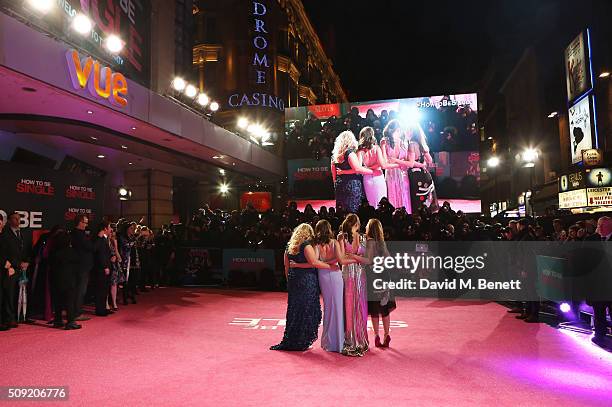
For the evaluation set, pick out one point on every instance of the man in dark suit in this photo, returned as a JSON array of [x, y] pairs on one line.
[[101, 267], [17, 253], [84, 248]]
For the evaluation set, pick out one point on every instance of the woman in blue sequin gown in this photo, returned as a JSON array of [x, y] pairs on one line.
[[347, 171], [303, 305]]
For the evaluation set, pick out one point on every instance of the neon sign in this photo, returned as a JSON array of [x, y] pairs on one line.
[[99, 80]]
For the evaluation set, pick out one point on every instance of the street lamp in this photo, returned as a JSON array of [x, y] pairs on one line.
[[492, 163], [529, 157]]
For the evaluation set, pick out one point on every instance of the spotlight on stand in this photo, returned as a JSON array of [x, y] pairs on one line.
[[214, 106]]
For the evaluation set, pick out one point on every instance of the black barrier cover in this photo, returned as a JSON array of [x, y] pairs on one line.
[[523, 271]]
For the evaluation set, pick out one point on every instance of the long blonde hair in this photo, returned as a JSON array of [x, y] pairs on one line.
[[344, 142], [300, 234]]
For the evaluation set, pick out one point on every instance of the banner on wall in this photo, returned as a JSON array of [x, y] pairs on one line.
[[310, 179], [581, 128], [577, 67], [49, 198]]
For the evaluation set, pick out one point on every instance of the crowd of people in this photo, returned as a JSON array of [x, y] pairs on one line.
[[66, 269]]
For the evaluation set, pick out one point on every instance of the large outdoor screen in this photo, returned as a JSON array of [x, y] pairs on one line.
[[437, 135]]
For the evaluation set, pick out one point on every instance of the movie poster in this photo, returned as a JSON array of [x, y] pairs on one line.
[[577, 72], [580, 124]]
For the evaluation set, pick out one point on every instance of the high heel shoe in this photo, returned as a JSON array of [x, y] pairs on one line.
[[387, 341], [377, 341]]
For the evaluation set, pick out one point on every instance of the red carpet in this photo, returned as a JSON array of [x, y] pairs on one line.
[[194, 347]]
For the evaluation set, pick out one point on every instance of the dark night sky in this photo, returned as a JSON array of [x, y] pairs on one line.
[[385, 49]]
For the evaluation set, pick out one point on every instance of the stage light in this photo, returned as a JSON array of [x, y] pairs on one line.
[[124, 193], [224, 188], [179, 84], [82, 24], [221, 171], [191, 91], [530, 155], [90, 112], [493, 162], [553, 114], [243, 123], [203, 99], [565, 307], [410, 115], [114, 44], [604, 75], [101, 156], [214, 106], [42, 5]]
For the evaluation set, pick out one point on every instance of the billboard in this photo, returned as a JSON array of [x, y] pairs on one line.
[[580, 117], [128, 19], [49, 198], [577, 67], [440, 132]]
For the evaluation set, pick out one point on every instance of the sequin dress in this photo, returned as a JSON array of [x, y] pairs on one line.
[[422, 188], [355, 307], [349, 187], [303, 306]]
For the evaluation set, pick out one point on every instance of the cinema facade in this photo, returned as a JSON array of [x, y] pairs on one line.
[[78, 124]]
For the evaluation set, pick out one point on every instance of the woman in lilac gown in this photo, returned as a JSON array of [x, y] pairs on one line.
[[355, 289], [395, 150], [332, 286]]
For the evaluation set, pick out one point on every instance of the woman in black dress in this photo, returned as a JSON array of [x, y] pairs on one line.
[[347, 170], [380, 302], [422, 187], [303, 305]]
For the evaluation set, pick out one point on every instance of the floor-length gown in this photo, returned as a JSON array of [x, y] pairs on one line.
[[355, 307], [332, 290], [374, 186], [398, 184], [349, 187], [422, 188], [303, 306]]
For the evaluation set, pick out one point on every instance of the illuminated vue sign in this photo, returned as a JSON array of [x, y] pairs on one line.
[[260, 65], [129, 19], [99, 80]]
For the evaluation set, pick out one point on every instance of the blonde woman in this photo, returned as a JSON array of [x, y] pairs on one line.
[[348, 182], [380, 303], [303, 306]]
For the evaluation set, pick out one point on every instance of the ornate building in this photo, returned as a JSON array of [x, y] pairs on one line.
[[259, 57]]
